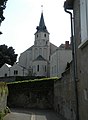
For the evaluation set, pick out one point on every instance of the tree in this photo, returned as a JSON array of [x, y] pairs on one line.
[[2, 7], [7, 55]]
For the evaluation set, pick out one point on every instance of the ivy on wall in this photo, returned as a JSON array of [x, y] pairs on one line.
[[3, 92], [3, 89]]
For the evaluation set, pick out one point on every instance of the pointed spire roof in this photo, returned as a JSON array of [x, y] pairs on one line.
[[41, 27], [42, 23]]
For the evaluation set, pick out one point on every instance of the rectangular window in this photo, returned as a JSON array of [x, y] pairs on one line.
[[45, 68], [52, 70], [5, 74], [86, 94], [84, 19], [15, 72], [38, 68]]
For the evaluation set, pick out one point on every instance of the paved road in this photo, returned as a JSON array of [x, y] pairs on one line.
[[32, 115]]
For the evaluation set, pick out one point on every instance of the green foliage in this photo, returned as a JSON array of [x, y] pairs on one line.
[[4, 112], [35, 80], [7, 55], [6, 90], [3, 89], [7, 110], [2, 7]]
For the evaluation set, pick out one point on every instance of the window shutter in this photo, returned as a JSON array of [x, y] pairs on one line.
[[83, 16]]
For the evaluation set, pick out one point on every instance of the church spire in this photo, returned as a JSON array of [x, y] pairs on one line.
[[41, 27], [42, 23]]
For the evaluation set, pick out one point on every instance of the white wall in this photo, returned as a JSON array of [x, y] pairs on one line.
[[64, 57], [26, 58], [21, 71], [40, 39], [4, 70], [41, 71], [58, 61]]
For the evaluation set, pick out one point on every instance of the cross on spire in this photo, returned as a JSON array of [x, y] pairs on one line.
[[42, 8]]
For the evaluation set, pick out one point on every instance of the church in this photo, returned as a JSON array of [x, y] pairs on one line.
[[42, 59], [37, 57]]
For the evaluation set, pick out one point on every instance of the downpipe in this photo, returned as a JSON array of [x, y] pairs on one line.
[[74, 64]]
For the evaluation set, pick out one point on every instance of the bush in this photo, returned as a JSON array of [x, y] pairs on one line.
[[3, 113]]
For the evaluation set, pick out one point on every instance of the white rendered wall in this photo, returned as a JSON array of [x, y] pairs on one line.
[[4, 70], [21, 70], [41, 71], [58, 62]]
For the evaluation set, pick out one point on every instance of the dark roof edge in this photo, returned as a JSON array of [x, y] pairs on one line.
[[68, 4], [39, 58]]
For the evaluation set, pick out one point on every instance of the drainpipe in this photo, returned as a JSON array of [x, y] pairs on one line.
[[74, 62]]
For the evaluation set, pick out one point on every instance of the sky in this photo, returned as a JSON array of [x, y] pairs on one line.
[[23, 16]]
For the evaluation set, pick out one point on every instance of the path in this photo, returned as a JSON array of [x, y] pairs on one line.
[[32, 115]]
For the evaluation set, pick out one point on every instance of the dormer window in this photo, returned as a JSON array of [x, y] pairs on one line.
[[44, 35]]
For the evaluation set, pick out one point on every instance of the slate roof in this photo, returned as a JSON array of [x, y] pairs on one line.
[[41, 27], [68, 4]]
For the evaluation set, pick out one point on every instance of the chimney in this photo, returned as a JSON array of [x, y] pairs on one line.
[[66, 44]]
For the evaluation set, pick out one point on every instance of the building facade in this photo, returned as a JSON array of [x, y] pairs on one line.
[[80, 13], [37, 60], [59, 60], [38, 56], [64, 95]]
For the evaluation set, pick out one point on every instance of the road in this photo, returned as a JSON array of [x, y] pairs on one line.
[[32, 115]]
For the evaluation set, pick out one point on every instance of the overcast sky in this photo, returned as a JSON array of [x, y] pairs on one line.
[[23, 16]]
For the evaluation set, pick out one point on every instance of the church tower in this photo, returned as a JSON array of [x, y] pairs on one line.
[[42, 34], [41, 49], [37, 57], [41, 43]]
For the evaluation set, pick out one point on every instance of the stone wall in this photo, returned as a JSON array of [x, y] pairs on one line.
[[3, 96], [64, 96], [31, 94], [82, 62]]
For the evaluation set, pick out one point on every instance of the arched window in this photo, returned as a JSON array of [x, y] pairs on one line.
[[44, 35], [37, 35], [38, 68], [45, 68]]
